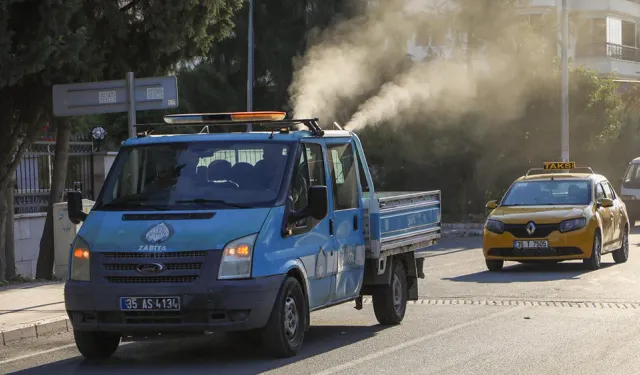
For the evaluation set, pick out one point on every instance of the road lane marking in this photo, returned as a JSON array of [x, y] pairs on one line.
[[393, 349], [35, 354]]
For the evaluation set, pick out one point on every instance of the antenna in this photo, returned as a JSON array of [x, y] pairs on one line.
[[337, 125]]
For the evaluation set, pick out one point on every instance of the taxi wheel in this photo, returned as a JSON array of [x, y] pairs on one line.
[[622, 254], [494, 265], [594, 261]]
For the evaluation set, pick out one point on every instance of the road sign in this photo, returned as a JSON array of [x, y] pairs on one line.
[[92, 98]]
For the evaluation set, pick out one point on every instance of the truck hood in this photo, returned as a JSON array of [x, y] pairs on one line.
[[157, 231], [538, 214]]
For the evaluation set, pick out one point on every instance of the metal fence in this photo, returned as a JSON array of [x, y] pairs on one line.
[[35, 173]]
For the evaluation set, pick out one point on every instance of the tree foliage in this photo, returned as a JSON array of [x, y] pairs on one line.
[[62, 41]]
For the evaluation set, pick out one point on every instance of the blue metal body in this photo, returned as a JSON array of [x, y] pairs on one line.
[[331, 256]]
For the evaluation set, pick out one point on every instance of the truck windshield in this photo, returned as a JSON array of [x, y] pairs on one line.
[[549, 192], [199, 175]]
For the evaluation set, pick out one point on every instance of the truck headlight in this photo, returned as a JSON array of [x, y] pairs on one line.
[[236, 258], [495, 226], [80, 269], [572, 224]]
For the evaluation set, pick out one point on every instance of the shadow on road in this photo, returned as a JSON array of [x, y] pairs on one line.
[[212, 355], [518, 273], [452, 245]]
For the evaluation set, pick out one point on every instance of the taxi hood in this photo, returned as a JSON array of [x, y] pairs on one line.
[[539, 214], [158, 231]]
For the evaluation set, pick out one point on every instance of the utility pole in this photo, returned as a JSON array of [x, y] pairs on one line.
[[564, 55], [250, 64]]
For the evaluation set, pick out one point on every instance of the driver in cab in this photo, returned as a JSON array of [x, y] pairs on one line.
[[553, 217]]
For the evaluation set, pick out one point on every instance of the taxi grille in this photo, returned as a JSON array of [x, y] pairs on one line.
[[520, 230]]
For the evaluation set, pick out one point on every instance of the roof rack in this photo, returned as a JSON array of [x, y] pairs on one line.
[[270, 120], [548, 171]]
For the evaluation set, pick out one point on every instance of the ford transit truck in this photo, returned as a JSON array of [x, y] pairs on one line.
[[202, 228]]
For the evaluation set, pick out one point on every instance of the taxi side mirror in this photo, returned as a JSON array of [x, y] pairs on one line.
[[606, 203], [492, 205]]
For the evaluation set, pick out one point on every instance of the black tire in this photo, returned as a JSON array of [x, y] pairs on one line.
[[494, 265], [390, 302], [284, 333], [96, 345], [594, 262], [622, 254]]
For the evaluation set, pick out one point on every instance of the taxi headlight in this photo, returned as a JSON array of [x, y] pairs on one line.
[[495, 226], [572, 224]]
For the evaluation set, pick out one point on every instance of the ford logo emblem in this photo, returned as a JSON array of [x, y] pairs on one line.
[[150, 268]]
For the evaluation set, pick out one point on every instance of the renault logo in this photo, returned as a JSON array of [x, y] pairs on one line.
[[149, 268], [531, 227]]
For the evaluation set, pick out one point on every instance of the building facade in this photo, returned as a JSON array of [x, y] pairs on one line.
[[605, 35]]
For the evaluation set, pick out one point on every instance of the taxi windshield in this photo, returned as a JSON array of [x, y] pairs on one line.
[[549, 193]]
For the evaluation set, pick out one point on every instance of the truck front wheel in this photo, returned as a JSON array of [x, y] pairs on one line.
[[284, 333], [390, 302], [96, 345]]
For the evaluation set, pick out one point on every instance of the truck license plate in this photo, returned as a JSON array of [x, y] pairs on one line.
[[150, 303], [542, 244]]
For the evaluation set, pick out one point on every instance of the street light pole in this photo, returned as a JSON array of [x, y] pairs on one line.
[[564, 55], [250, 64]]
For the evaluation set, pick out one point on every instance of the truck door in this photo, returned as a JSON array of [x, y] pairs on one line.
[[348, 218], [311, 240]]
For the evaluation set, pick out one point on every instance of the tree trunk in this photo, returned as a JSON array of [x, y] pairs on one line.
[[3, 232], [46, 257], [10, 250]]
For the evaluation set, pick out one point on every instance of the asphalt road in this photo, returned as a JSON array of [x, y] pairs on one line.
[[526, 320]]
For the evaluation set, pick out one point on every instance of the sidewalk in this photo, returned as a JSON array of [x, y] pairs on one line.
[[31, 310]]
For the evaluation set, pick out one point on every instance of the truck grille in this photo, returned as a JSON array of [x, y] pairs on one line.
[[152, 268], [150, 279]]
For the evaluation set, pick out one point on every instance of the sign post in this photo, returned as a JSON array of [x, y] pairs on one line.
[[126, 95]]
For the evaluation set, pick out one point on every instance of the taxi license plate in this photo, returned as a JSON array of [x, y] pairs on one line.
[[150, 303], [542, 244]]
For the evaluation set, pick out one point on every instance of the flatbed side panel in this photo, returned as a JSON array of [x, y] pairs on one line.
[[408, 221]]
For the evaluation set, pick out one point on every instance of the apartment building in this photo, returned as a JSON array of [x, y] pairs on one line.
[[605, 35]]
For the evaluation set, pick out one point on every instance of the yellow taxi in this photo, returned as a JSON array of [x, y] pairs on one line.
[[554, 214]]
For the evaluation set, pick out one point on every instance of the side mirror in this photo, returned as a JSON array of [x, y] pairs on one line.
[[74, 207], [606, 203], [318, 202], [317, 208], [492, 205]]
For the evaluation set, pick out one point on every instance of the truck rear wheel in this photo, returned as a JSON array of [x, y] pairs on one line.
[[284, 333], [96, 345], [390, 302]]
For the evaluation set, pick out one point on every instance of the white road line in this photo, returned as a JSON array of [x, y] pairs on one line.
[[63, 347], [407, 344]]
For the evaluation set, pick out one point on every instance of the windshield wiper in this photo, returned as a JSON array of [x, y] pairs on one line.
[[211, 201]]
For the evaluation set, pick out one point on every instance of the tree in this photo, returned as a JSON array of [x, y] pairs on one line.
[[62, 41]]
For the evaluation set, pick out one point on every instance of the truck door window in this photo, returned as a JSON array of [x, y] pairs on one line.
[[309, 172], [343, 175]]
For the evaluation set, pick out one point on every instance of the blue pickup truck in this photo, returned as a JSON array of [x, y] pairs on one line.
[[201, 228]]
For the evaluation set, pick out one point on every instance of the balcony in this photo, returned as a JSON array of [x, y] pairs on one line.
[[622, 7], [609, 58]]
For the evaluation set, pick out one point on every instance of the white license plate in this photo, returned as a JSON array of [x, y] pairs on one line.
[[150, 303], [541, 244]]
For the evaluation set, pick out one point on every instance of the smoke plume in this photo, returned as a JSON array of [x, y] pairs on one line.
[[363, 63]]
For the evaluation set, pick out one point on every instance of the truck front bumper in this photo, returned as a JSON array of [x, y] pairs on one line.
[[217, 305]]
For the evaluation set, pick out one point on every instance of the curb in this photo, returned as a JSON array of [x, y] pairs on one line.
[[34, 330]]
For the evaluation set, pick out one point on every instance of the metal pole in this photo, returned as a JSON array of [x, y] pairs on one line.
[[131, 115], [250, 64], [132, 104], [565, 81]]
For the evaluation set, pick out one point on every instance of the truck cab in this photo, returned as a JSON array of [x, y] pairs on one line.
[[240, 231]]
